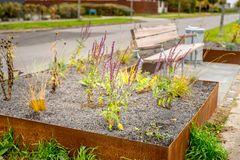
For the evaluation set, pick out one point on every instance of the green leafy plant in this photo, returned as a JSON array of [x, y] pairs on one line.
[[144, 82], [205, 145], [6, 143], [50, 150], [92, 79], [118, 89], [154, 132], [10, 150], [86, 154], [169, 88], [7, 53], [76, 60]]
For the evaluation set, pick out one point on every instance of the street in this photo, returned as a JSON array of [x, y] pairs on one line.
[[33, 50]]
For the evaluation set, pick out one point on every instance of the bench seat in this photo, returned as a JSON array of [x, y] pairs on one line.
[[178, 53]]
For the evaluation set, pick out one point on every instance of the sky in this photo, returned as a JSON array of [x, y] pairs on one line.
[[232, 1]]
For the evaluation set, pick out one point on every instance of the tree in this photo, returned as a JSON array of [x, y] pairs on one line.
[[212, 3], [237, 4], [222, 3], [202, 4], [179, 7]]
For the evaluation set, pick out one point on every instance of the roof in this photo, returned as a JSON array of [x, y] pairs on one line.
[[20, 1]]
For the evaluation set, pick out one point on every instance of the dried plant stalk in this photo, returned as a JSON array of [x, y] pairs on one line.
[[7, 53], [2, 79]]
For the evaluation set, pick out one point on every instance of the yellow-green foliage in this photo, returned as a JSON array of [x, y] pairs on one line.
[[180, 85], [125, 56], [212, 35], [169, 88], [144, 82], [236, 32]]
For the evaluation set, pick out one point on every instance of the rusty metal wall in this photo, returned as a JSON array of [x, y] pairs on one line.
[[109, 148]]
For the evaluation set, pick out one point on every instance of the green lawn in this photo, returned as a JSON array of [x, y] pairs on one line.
[[179, 16], [61, 23], [212, 35]]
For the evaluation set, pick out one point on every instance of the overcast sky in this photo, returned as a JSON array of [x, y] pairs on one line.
[[232, 1]]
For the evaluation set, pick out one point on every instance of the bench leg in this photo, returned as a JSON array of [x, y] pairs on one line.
[[195, 58], [182, 67]]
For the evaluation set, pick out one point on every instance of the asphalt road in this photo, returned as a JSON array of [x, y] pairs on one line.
[[33, 50]]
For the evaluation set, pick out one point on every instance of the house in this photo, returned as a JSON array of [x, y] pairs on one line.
[[139, 6]]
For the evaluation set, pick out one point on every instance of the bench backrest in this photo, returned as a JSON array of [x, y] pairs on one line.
[[153, 37]]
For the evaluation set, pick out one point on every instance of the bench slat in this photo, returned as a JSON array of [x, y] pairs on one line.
[[156, 40], [180, 52], [153, 31]]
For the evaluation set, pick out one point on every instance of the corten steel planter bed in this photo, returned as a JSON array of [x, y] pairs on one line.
[[111, 148], [221, 56]]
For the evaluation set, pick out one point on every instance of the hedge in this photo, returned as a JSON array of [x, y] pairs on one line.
[[108, 9], [63, 10]]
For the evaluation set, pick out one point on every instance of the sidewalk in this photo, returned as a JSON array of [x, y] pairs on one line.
[[231, 133]]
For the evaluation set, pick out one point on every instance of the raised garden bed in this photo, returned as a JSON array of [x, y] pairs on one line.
[[221, 56], [73, 124]]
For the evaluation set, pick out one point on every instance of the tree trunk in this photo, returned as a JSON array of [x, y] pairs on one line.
[[179, 7], [79, 9], [221, 30], [200, 7]]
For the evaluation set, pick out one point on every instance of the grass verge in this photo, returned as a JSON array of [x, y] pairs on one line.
[[204, 144], [179, 16], [230, 30], [62, 23]]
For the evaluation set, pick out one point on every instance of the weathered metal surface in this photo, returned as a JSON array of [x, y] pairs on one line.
[[178, 148], [110, 148], [221, 56]]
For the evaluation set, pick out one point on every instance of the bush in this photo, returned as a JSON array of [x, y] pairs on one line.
[[66, 10], [1, 11], [53, 11], [11, 10], [231, 10], [205, 145], [108, 9], [34, 9]]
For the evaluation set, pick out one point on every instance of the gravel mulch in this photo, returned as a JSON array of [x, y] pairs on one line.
[[67, 108]]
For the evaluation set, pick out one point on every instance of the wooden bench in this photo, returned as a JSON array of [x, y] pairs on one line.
[[149, 38]]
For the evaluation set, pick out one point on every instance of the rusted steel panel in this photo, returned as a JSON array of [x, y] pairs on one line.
[[221, 56], [109, 148], [178, 148]]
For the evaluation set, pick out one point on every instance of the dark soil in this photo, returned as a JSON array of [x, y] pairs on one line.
[[144, 121]]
